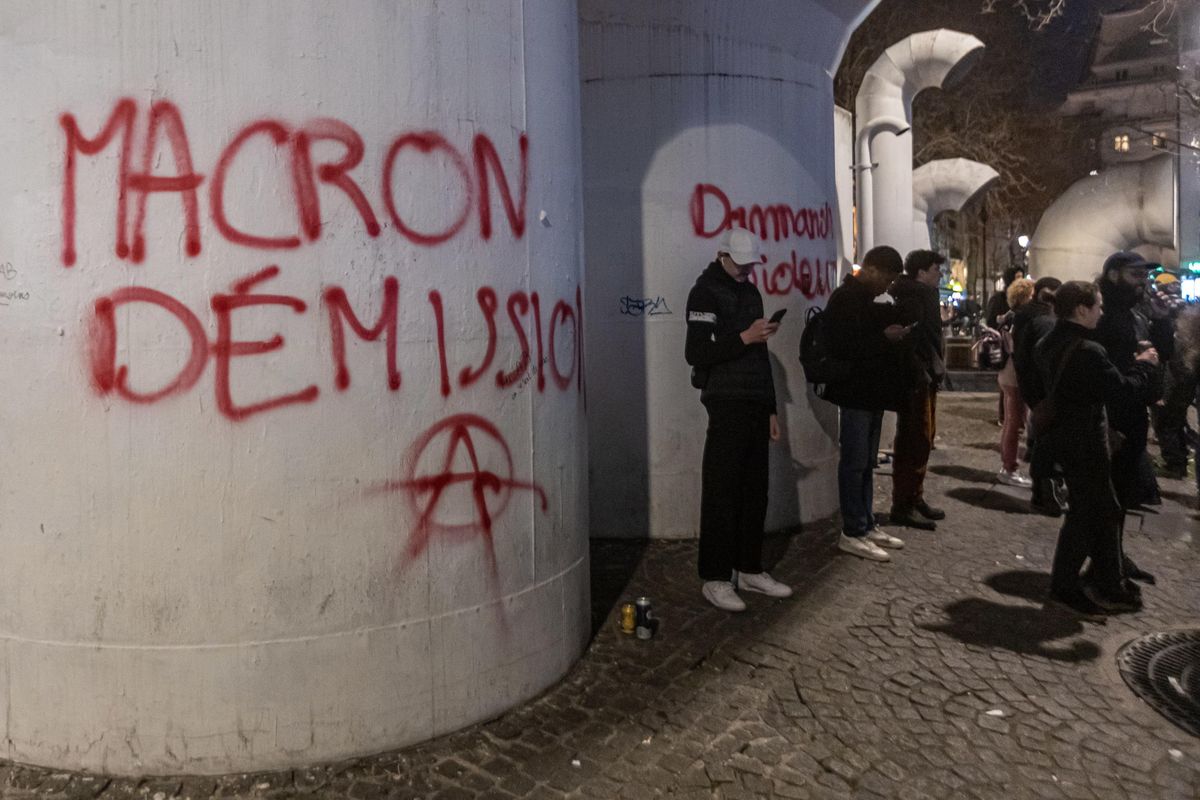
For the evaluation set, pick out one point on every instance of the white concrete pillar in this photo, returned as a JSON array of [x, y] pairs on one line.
[[294, 466], [1124, 207], [696, 115], [937, 58], [946, 184]]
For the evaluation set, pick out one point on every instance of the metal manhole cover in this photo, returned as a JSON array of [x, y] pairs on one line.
[[1164, 670]]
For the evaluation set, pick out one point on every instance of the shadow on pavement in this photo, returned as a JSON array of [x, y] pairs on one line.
[[993, 501], [1023, 583], [1025, 630], [1184, 499], [961, 473], [613, 564], [776, 545]]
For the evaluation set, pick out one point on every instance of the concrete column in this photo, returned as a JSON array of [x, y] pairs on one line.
[[1124, 207], [698, 115], [937, 58], [294, 466]]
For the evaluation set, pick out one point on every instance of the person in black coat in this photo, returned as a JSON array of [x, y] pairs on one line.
[[918, 303], [727, 349], [861, 324], [1080, 380], [1123, 332]]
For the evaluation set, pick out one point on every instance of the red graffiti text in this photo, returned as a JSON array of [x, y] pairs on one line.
[[712, 213], [557, 342], [479, 172]]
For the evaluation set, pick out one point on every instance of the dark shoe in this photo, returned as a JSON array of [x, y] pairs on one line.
[[1114, 601], [1046, 506], [1077, 603], [1136, 573], [927, 511], [1152, 501], [910, 520], [1058, 491]]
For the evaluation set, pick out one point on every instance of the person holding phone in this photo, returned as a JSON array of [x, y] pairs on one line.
[[727, 349], [919, 307], [863, 327]]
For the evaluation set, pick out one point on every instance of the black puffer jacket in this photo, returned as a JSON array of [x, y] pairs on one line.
[[1088, 380], [719, 308], [883, 373]]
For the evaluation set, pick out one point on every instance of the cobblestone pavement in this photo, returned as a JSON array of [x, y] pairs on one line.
[[938, 675]]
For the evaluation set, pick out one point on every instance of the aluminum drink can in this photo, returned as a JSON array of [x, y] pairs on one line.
[[628, 618], [644, 625]]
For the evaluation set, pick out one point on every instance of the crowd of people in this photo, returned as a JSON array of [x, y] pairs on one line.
[[1087, 369]]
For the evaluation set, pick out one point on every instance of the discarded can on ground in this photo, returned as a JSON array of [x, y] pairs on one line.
[[628, 618], [645, 624]]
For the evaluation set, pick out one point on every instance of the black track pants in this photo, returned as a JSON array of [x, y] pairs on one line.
[[733, 504]]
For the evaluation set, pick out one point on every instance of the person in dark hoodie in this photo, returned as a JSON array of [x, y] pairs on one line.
[[1031, 323], [861, 324], [727, 348], [1080, 380], [1123, 332], [918, 303]]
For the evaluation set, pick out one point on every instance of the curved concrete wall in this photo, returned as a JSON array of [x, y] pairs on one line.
[[237, 533], [697, 114], [1124, 207], [843, 170], [930, 59], [946, 184]]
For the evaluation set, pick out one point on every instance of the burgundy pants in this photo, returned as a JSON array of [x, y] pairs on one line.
[[916, 426], [1014, 423]]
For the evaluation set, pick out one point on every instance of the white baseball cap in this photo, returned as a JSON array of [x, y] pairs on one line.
[[741, 245]]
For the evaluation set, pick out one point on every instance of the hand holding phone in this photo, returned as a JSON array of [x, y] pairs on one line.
[[777, 316]]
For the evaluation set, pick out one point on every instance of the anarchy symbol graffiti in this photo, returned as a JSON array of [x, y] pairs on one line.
[[459, 481]]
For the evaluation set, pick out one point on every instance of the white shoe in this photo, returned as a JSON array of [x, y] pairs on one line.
[[1014, 478], [722, 595], [862, 547], [884, 539], [763, 584]]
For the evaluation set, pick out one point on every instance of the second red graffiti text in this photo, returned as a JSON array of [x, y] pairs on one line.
[[546, 330]]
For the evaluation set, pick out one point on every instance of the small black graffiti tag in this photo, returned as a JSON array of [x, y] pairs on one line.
[[644, 306]]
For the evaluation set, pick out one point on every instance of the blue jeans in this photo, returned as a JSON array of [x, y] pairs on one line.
[[856, 469]]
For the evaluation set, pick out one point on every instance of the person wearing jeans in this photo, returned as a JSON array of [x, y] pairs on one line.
[[860, 326], [859, 440]]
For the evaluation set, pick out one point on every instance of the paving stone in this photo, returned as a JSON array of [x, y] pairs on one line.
[[874, 682]]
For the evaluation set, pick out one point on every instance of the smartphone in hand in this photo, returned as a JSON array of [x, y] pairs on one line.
[[778, 315]]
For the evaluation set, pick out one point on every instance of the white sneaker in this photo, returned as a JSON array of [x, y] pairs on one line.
[[763, 584], [884, 539], [862, 547], [722, 595], [1015, 478]]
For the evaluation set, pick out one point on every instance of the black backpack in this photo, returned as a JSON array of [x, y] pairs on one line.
[[820, 366]]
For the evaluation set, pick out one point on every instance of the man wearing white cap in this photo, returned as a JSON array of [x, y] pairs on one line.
[[727, 349]]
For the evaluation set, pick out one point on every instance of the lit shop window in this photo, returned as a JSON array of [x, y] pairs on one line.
[[1158, 139], [1121, 143]]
